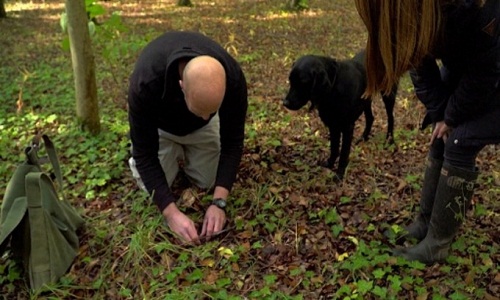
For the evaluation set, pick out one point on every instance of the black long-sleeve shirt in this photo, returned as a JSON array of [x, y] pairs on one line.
[[156, 102]]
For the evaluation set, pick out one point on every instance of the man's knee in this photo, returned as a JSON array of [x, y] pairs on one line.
[[203, 172]]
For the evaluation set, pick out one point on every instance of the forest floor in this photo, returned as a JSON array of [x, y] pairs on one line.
[[294, 233]]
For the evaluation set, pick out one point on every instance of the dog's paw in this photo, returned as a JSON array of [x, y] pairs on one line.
[[337, 178], [389, 140], [361, 139], [339, 175]]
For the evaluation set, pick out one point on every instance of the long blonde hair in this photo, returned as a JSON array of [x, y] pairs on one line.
[[400, 34]]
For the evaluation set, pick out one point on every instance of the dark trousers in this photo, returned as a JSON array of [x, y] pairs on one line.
[[456, 154]]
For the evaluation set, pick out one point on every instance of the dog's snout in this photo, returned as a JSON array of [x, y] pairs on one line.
[[286, 102]]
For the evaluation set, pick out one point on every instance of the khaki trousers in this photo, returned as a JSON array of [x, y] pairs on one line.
[[200, 151]]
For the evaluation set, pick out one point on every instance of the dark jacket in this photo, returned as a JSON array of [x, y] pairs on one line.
[[156, 101], [465, 91]]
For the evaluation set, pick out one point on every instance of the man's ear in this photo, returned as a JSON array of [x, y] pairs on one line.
[[181, 85]]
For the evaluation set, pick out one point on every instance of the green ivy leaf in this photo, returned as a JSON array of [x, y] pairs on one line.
[[364, 286]]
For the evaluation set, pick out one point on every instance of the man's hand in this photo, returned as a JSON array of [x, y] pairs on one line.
[[215, 219], [180, 223], [441, 130]]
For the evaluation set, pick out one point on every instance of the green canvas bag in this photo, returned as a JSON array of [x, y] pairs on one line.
[[39, 226]]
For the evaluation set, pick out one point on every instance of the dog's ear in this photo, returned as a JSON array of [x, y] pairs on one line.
[[332, 72], [321, 81]]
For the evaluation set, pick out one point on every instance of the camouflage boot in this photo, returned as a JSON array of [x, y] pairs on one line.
[[453, 197]]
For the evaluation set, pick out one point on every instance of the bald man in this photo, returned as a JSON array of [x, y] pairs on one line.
[[187, 101]]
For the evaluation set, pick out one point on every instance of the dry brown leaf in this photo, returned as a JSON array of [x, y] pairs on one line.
[[423, 296], [246, 245], [208, 262], [275, 167], [245, 234], [188, 198], [166, 260], [304, 201], [274, 190], [294, 197], [490, 297], [401, 186], [320, 234], [469, 278], [318, 279], [345, 215], [235, 267], [211, 277]]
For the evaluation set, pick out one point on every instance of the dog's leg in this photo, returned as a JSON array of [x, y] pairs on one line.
[[334, 147], [347, 134], [389, 102], [367, 109]]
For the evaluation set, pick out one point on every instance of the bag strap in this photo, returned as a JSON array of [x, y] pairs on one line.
[[32, 156], [40, 258], [33, 192]]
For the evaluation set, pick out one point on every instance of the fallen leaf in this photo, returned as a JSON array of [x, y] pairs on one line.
[[235, 267], [423, 296], [245, 234], [208, 262], [469, 279], [320, 234], [211, 277], [490, 297], [497, 278], [276, 167], [401, 186], [274, 190], [225, 252], [188, 198], [166, 260], [342, 256]]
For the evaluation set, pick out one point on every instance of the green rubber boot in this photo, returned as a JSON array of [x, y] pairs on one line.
[[453, 197]]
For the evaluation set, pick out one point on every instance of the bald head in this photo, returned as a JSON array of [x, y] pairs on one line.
[[204, 85]]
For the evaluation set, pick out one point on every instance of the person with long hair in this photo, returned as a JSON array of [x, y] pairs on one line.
[[452, 50]]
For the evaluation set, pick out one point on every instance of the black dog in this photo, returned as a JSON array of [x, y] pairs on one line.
[[335, 89]]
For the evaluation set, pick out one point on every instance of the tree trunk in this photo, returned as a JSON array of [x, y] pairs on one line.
[[184, 3], [82, 57], [297, 4], [3, 13]]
